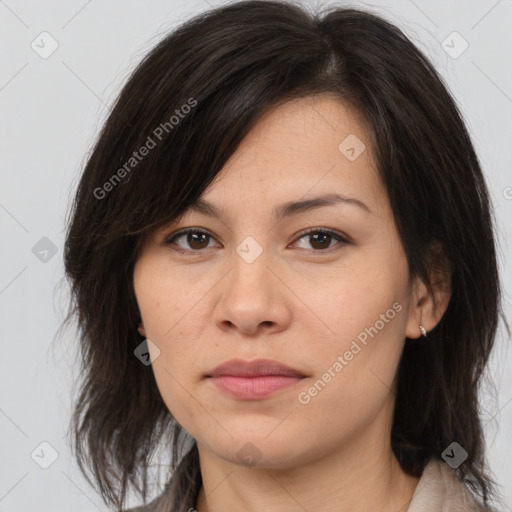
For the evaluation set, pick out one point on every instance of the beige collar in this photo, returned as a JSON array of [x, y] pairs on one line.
[[439, 490]]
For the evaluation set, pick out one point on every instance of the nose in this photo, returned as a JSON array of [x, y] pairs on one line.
[[252, 299]]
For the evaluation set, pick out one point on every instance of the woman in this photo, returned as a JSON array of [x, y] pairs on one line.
[[281, 248]]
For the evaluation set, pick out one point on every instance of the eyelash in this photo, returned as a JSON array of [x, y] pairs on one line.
[[172, 238]]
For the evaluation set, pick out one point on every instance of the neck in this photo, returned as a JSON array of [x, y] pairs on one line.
[[363, 475]]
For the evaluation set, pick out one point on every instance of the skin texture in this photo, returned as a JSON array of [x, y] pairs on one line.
[[301, 302]]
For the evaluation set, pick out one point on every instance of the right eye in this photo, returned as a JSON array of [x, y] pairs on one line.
[[194, 238]]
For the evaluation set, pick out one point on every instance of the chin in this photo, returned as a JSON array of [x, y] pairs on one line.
[[260, 452]]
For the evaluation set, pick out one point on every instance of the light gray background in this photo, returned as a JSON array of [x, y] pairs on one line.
[[51, 111]]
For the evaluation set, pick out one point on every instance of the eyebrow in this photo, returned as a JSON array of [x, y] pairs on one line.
[[286, 209]]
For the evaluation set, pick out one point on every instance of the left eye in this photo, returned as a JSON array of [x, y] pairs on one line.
[[320, 239]]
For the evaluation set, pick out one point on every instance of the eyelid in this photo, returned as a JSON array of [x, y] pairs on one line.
[[168, 240], [341, 237], [334, 232]]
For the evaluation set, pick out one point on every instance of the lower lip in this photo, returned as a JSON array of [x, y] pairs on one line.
[[253, 388]]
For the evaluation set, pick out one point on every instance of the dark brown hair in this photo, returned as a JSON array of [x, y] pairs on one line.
[[230, 65]]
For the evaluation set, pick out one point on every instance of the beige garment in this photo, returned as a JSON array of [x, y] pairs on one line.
[[438, 490]]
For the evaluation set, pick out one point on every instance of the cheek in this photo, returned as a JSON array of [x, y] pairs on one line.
[[168, 300], [365, 310], [170, 308], [354, 377], [348, 298]]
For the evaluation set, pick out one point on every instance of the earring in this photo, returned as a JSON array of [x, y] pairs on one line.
[[423, 331]]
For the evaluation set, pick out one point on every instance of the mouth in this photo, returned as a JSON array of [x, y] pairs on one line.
[[253, 380]]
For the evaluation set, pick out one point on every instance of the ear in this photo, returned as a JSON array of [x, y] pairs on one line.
[[141, 330], [430, 300]]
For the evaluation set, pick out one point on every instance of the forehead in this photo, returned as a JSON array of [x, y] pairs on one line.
[[299, 149]]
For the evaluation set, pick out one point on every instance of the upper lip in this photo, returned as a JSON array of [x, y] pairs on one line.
[[258, 367]]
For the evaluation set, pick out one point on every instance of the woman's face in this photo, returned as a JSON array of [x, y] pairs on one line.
[[334, 304]]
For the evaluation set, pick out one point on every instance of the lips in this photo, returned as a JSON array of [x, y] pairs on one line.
[[256, 368], [253, 380]]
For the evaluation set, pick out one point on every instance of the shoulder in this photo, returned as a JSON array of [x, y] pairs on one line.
[[439, 490]]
